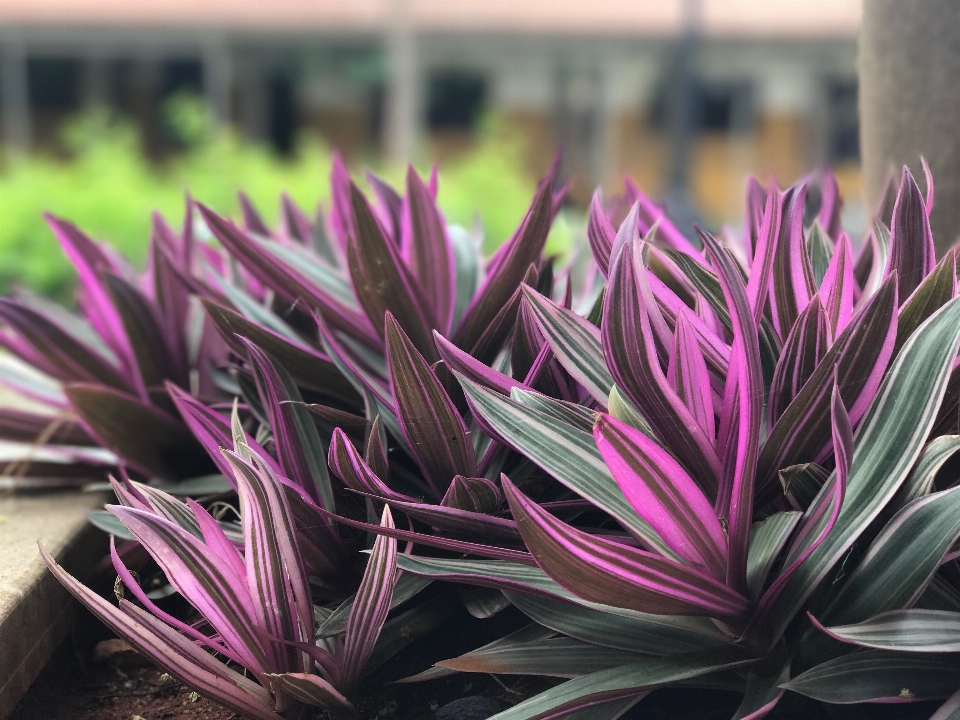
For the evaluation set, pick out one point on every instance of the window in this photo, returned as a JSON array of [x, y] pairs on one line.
[[844, 138], [454, 100], [54, 83]]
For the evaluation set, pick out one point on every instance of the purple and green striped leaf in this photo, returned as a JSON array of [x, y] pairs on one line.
[[631, 354], [625, 681], [820, 251], [313, 690], [889, 441], [927, 631], [664, 495], [612, 573], [575, 342], [687, 373], [90, 261], [370, 607], [219, 596], [275, 574], [299, 450], [52, 349], [600, 233], [310, 368], [792, 278], [901, 561], [735, 497], [838, 287], [937, 288], [860, 356], [180, 657], [477, 495], [620, 629], [507, 271], [289, 281], [347, 464], [568, 454], [552, 657], [879, 676]]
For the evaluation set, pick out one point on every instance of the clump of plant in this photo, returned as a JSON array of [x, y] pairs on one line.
[[762, 429], [328, 328], [731, 468]]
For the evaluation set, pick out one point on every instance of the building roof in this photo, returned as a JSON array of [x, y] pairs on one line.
[[740, 18]]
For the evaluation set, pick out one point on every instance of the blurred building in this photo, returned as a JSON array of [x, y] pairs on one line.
[[691, 93]]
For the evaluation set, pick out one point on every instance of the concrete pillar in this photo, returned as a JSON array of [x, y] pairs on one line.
[[14, 86], [909, 66], [404, 86], [218, 77]]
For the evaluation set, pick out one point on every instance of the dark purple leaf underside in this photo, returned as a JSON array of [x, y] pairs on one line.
[[507, 272], [383, 283], [434, 429], [149, 440], [912, 253], [429, 252]]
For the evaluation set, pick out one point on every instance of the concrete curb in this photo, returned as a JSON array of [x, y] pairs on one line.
[[36, 613]]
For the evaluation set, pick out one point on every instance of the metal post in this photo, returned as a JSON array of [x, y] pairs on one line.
[[17, 130]]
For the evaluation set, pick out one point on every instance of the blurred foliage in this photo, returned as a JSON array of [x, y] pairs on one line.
[[109, 189]]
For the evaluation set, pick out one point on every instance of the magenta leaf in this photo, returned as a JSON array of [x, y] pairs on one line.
[[612, 573], [687, 373], [792, 275], [631, 353], [664, 495], [735, 496], [600, 233], [275, 574], [839, 286]]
